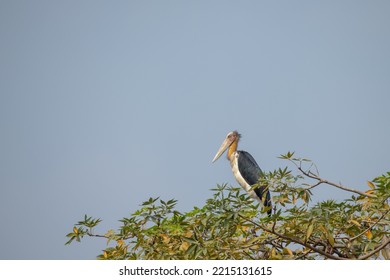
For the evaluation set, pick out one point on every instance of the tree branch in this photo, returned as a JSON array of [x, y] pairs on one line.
[[293, 239], [323, 181], [366, 256], [370, 227], [315, 185], [303, 255], [96, 235]]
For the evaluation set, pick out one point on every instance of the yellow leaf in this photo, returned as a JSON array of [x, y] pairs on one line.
[[304, 196], [371, 184], [328, 235], [75, 230], [369, 192], [273, 253], [369, 234], [109, 233], [330, 239], [244, 228], [356, 223], [105, 254], [184, 246], [287, 251], [309, 231], [165, 238], [306, 250], [323, 229]]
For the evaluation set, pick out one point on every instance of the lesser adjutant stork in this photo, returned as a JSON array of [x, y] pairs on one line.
[[245, 169]]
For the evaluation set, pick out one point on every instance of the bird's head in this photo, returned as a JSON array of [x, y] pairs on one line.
[[231, 138]]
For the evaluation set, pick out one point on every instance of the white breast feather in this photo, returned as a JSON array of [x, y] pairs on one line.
[[239, 178]]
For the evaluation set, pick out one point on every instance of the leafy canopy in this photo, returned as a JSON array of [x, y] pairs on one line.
[[231, 226]]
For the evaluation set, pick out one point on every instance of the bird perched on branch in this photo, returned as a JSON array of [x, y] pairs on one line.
[[245, 169]]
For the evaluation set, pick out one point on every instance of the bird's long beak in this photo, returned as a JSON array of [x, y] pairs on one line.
[[222, 149]]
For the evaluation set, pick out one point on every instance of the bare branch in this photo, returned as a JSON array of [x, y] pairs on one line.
[[315, 185], [323, 181], [97, 235]]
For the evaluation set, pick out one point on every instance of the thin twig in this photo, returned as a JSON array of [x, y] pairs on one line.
[[323, 181], [96, 235], [315, 185], [302, 256]]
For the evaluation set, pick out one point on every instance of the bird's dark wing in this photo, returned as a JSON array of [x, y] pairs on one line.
[[248, 168], [251, 173]]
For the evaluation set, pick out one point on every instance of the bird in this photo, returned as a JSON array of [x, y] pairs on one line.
[[245, 169]]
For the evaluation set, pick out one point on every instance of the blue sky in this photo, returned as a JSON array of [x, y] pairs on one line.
[[104, 104]]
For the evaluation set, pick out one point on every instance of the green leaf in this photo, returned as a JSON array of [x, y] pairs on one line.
[[229, 225], [190, 240], [356, 223], [330, 239], [191, 250]]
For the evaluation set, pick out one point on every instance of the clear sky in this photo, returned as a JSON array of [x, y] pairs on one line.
[[104, 104]]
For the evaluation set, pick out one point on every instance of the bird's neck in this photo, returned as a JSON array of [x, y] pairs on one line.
[[232, 149]]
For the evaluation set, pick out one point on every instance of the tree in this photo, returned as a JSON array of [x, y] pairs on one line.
[[231, 226]]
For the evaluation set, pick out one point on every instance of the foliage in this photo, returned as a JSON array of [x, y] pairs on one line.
[[231, 226]]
